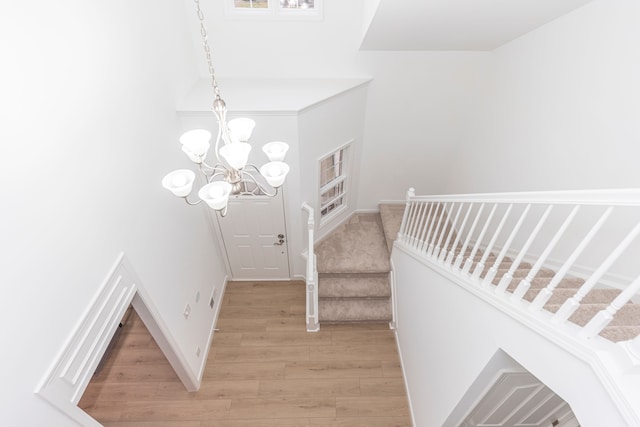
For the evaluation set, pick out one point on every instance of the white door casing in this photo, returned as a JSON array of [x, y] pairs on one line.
[[255, 239], [518, 399]]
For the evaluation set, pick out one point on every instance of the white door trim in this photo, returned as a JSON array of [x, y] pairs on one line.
[[72, 370]]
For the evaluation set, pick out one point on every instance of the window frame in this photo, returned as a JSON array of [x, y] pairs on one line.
[[274, 11], [341, 179]]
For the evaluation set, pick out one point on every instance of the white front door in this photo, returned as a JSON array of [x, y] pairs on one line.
[[255, 239]]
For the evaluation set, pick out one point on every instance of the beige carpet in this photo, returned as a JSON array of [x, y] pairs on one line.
[[353, 272], [357, 246]]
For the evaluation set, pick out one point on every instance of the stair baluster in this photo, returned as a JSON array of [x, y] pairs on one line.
[[402, 233], [421, 222], [444, 252], [544, 295], [436, 250], [604, 317], [438, 230], [468, 238], [572, 304], [425, 245], [506, 279], [488, 279], [525, 283], [479, 268], [456, 242], [469, 261]]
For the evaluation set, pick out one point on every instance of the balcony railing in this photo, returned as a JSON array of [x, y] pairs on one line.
[[504, 242]]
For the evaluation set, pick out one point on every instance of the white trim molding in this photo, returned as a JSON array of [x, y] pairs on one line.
[[72, 370]]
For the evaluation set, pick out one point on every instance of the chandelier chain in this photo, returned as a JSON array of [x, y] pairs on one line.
[[207, 50]]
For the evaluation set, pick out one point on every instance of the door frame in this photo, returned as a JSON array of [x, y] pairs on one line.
[[215, 225], [70, 373]]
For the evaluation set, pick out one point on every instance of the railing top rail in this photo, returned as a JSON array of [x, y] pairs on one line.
[[615, 197]]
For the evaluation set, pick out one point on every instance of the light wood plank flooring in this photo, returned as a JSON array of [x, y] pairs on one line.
[[263, 369]]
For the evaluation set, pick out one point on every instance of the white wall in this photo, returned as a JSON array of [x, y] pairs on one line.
[[560, 109], [447, 335], [416, 110], [322, 129], [416, 102], [88, 130]]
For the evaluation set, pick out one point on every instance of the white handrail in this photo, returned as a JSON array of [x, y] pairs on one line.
[[313, 323], [427, 223]]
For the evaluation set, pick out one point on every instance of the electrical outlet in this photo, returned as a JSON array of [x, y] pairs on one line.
[[187, 311], [211, 302]]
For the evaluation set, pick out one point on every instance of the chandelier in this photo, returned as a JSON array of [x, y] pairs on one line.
[[231, 174]]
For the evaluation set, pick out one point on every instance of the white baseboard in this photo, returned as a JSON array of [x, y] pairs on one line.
[[404, 378]]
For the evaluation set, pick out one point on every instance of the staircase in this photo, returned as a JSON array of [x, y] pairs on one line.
[[353, 272]]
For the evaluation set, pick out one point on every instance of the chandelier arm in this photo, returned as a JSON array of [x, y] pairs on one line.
[[210, 178], [190, 203], [244, 174]]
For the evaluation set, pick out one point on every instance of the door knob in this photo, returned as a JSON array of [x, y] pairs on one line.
[[279, 242]]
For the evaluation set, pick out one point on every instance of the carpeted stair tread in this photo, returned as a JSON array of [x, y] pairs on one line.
[[354, 286], [358, 246], [628, 315], [354, 310], [559, 296], [620, 333], [391, 217], [541, 282]]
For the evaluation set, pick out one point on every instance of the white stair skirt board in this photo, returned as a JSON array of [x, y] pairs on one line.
[[72, 370]]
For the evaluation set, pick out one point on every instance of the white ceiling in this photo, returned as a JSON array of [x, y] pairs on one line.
[[458, 24]]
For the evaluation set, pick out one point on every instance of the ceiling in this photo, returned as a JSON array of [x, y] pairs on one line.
[[458, 24]]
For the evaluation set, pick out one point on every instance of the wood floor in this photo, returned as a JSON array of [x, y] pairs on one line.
[[263, 369]]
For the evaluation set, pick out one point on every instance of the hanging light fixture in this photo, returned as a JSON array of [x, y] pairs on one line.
[[232, 174]]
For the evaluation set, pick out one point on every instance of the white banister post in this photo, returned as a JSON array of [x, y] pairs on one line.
[[468, 238], [477, 271], [469, 262], [571, 304], [452, 230], [452, 251], [436, 250], [437, 231], [410, 193], [604, 317], [544, 295], [525, 283]]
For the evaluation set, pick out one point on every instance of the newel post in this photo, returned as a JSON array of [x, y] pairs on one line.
[[410, 194]]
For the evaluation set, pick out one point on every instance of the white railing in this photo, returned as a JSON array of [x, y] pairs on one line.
[[311, 274], [590, 235]]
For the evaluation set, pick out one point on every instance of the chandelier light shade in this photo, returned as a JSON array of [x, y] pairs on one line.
[[232, 174], [276, 150], [179, 182]]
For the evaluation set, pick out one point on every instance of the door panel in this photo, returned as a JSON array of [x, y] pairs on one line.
[[250, 232]]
